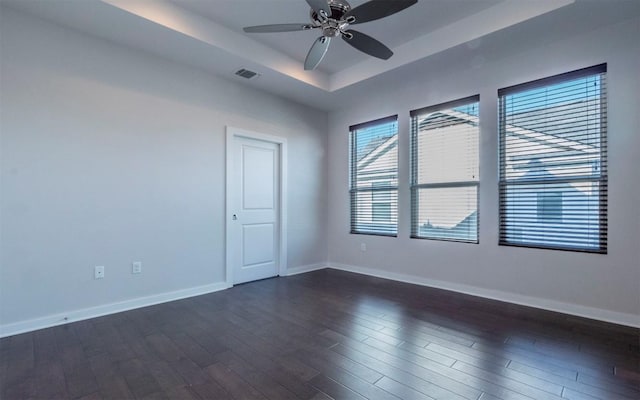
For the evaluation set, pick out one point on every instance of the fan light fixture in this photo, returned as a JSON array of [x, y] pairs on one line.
[[334, 17]]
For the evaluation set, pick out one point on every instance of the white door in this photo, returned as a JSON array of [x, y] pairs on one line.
[[255, 205]]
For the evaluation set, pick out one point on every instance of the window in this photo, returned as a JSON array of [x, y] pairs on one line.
[[444, 171], [553, 169], [374, 177]]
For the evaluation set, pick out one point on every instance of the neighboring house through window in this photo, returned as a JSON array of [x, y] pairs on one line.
[[445, 171], [553, 170], [549, 206], [374, 177]]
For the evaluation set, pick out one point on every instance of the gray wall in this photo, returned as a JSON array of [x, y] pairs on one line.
[[110, 155], [601, 286]]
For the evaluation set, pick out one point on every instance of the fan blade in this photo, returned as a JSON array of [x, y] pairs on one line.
[[367, 44], [316, 53], [376, 9], [320, 5], [277, 28]]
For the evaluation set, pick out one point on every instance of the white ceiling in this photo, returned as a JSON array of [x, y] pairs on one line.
[[207, 34]]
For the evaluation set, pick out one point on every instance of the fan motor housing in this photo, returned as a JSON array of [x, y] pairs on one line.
[[338, 9]]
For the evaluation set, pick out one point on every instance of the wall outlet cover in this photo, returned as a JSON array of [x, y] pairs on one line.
[[136, 267]]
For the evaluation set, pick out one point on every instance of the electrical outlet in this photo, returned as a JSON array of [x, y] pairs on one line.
[[98, 272], [136, 267], [363, 247]]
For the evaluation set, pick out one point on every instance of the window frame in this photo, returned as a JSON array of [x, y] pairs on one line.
[[602, 162], [354, 190], [415, 187]]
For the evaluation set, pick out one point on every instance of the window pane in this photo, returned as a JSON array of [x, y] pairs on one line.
[[448, 213], [379, 217], [447, 145], [374, 178], [570, 218], [555, 131], [553, 169], [381, 212], [445, 171]]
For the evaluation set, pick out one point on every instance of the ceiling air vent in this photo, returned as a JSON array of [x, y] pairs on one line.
[[245, 73]]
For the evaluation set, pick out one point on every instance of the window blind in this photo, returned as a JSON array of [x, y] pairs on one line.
[[553, 162], [445, 171], [374, 177]]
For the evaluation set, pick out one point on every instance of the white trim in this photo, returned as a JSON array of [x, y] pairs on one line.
[[514, 298], [282, 214], [106, 309], [305, 268]]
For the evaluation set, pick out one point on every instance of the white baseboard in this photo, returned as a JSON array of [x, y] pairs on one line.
[[112, 308], [545, 304], [305, 268]]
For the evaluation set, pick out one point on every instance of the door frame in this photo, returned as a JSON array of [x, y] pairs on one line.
[[233, 133]]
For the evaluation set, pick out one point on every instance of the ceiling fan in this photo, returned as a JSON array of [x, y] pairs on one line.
[[333, 17]]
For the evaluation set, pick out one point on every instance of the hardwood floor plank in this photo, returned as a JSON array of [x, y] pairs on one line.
[[607, 382], [210, 390], [25, 388], [535, 388], [114, 387], [573, 395], [334, 389], [92, 396], [164, 347], [487, 396], [400, 390], [167, 377], [410, 374], [411, 352], [50, 380], [19, 372], [344, 363], [182, 393], [189, 371], [141, 383], [194, 351], [607, 390], [45, 347], [544, 370], [347, 378], [262, 382], [80, 381], [463, 353], [269, 367], [536, 359], [233, 383], [427, 369]]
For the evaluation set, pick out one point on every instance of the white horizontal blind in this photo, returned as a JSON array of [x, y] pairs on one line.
[[445, 171], [553, 162], [374, 177]]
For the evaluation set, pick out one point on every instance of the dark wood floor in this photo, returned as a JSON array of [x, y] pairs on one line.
[[322, 335]]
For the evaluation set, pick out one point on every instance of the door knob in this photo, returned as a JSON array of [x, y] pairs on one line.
[[234, 217]]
